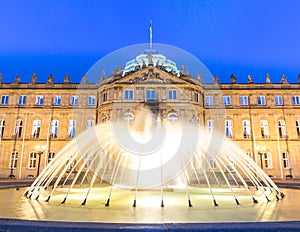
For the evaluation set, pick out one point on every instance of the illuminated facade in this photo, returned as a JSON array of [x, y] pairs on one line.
[[263, 119]]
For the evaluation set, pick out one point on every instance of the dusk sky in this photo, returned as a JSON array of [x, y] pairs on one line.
[[229, 36]]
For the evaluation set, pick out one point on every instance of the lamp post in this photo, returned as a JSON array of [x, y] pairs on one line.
[[261, 150], [40, 150]]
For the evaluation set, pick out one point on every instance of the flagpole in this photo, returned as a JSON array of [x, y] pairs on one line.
[[150, 35]]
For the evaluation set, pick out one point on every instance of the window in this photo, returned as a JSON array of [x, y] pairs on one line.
[[72, 128], [286, 160], [278, 101], [54, 129], [2, 124], [261, 100], [244, 100], [56, 100], [74, 101], [281, 129], [267, 160], [22, 100], [212, 163], [104, 97], [209, 100], [36, 129], [210, 125], [172, 94], [246, 129], [150, 94], [4, 100], [18, 129], [13, 160], [196, 97], [295, 100], [226, 100], [91, 100], [173, 117], [128, 94], [264, 128], [298, 128], [128, 117], [228, 129], [39, 100], [32, 160], [88, 160], [89, 124], [50, 156], [250, 157]]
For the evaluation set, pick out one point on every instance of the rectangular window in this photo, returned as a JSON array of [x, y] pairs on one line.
[[226, 100], [72, 128], [54, 129], [244, 100], [91, 100], [74, 101], [196, 97], [295, 100], [281, 129], [4, 100], [56, 100], [32, 160], [128, 94], [104, 97], [13, 160], [264, 128], [250, 158], [261, 100], [89, 124], [2, 124], [228, 129], [298, 128], [286, 160], [209, 100], [18, 129], [22, 100], [278, 101], [267, 160], [172, 94], [50, 156], [150, 95], [246, 129], [210, 125], [36, 129], [39, 100]]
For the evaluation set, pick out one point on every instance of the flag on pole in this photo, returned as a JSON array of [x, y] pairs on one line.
[[150, 34]]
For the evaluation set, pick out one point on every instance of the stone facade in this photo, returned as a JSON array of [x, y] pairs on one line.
[[263, 119]]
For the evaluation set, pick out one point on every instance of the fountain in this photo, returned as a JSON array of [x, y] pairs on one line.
[[146, 154]]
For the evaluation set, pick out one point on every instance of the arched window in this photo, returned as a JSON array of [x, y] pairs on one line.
[[173, 117], [13, 160], [32, 160], [128, 117]]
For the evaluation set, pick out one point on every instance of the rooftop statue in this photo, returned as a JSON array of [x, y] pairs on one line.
[[250, 80], [119, 70], [233, 79], [67, 79], [33, 78], [217, 80], [268, 80], [199, 77], [17, 80], [102, 76], [84, 80], [149, 57], [50, 79], [283, 79]]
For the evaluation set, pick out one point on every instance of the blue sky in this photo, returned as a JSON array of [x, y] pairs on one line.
[[228, 36]]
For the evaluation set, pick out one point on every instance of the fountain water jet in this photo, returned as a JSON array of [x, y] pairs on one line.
[[149, 154]]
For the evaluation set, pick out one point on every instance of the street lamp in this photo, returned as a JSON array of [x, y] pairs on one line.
[[40, 150], [261, 150]]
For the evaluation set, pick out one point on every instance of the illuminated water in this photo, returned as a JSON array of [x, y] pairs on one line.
[[148, 210]]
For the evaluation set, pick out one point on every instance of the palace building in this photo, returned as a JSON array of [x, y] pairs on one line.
[[262, 119]]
